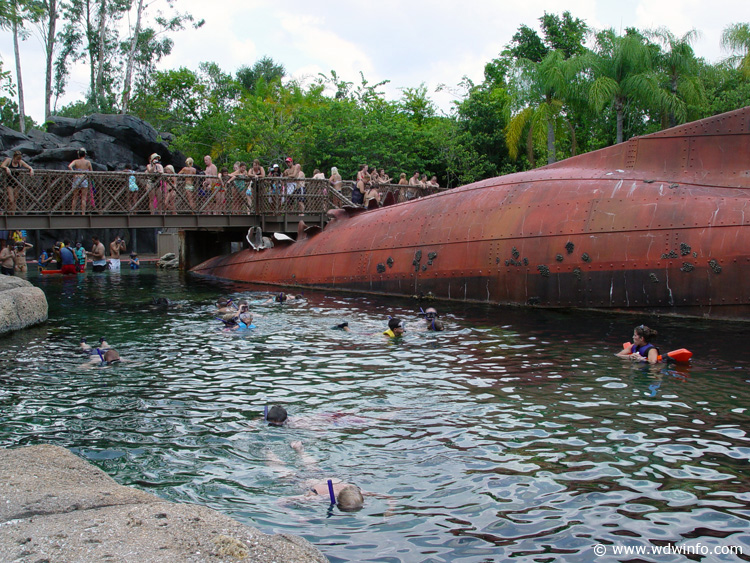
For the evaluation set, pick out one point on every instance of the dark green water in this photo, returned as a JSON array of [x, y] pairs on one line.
[[514, 435]]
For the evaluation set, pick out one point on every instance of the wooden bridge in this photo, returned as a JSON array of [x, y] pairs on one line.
[[51, 199]]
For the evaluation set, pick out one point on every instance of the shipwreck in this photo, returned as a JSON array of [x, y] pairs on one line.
[[660, 223]]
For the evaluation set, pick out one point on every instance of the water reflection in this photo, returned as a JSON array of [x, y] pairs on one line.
[[513, 434]]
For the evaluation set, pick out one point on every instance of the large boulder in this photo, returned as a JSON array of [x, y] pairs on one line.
[[58, 507], [21, 304], [112, 141]]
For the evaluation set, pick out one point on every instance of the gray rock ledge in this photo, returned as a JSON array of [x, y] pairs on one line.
[[55, 506], [21, 304]]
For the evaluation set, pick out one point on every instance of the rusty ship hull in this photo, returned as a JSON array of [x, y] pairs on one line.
[[658, 223]]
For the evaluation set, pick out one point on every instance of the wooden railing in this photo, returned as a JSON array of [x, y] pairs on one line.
[[57, 192]]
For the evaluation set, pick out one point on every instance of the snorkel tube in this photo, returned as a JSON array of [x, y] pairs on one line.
[[330, 492]]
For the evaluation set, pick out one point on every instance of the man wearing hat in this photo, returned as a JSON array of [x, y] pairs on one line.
[[155, 194]]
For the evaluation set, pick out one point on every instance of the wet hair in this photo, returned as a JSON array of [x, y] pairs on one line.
[[395, 323], [276, 415], [341, 326], [350, 498], [645, 332], [110, 356], [246, 317], [280, 298]]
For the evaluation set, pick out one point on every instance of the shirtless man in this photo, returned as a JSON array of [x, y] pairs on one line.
[[115, 247], [99, 263], [211, 183], [7, 260], [80, 181], [21, 248]]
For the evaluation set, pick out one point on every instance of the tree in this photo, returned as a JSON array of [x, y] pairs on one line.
[[145, 48], [621, 67], [679, 67], [264, 69], [550, 81], [736, 37]]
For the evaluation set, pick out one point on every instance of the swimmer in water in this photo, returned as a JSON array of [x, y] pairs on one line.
[[243, 322], [103, 358], [642, 350], [343, 326], [395, 328], [431, 318], [87, 349], [282, 298], [277, 416]]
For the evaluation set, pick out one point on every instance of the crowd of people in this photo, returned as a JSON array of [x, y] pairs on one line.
[[64, 256], [165, 190]]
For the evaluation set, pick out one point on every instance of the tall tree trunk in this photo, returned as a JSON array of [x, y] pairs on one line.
[[100, 55], [50, 49], [551, 156], [90, 39], [21, 108], [131, 56], [619, 106]]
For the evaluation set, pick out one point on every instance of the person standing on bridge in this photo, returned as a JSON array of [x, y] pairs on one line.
[[15, 163], [99, 262], [80, 181], [189, 171], [115, 247], [156, 190], [211, 183]]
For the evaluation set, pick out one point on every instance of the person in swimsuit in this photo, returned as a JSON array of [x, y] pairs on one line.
[[395, 328], [21, 248], [80, 181], [431, 318], [12, 165], [642, 350], [99, 262], [190, 171], [156, 191], [8, 260]]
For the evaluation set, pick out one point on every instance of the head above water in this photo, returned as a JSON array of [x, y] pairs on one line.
[[644, 332], [350, 498], [396, 325], [431, 313], [281, 297], [276, 416]]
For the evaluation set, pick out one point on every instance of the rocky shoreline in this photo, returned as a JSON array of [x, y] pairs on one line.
[[58, 507], [21, 304]]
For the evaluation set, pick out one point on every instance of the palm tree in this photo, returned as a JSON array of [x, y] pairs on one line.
[[736, 37], [621, 67], [680, 67], [548, 83]]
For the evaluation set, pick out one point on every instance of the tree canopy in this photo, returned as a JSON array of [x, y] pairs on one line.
[[549, 94]]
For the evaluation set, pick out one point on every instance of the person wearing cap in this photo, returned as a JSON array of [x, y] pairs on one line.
[[15, 164], [273, 199], [395, 328], [80, 181], [156, 192]]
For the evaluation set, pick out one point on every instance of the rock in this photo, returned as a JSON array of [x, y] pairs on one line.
[[111, 142], [169, 262], [21, 304], [58, 507]]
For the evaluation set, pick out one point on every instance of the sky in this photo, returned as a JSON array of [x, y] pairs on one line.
[[408, 42]]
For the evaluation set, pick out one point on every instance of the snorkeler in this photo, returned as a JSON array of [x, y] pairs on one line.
[[395, 328], [342, 326], [282, 298], [431, 319], [642, 350], [87, 349]]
